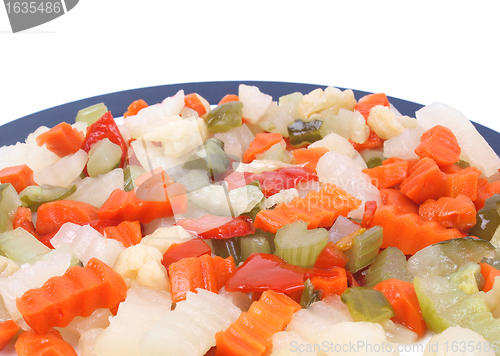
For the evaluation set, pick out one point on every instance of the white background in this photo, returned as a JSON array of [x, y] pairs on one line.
[[421, 51]]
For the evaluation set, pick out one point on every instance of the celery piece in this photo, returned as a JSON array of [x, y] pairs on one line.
[[487, 219], [366, 304], [443, 305], [91, 114], [299, 246], [104, 156], [9, 202], [309, 294], [255, 243], [130, 174], [446, 257], [390, 263], [21, 246], [301, 132], [365, 248], [227, 247], [35, 195], [210, 158], [468, 278], [224, 117]]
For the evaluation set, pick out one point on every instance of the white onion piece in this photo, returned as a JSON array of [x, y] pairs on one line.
[[398, 333], [98, 319], [33, 156], [357, 338], [136, 316], [255, 103], [290, 343], [236, 140], [403, 146], [153, 116], [95, 191], [86, 242], [335, 143], [452, 342], [64, 171], [340, 228], [475, 149]]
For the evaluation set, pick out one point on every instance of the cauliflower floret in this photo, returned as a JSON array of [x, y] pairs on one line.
[[7, 267], [384, 123], [255, 103], [163, 237], [179, 136], [326, 102], [142, 263]]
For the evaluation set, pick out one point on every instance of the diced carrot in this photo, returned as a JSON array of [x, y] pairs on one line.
[[52, 215], [388, 175], [228, 98], [78, 292], [156, 196], [204, 272], [459, 212], [485, 190], [23, 218], [309, 156], [19, 176], [318, 209], [127, 232], [261, 143], [135, 107], [49, 343], [8, 329], [440, 144], [463, 182], [404, 301], [251, 334], [191, 248], [489, 273], [391, 196], [409, 232], [367, 102], [331, 285], [197, 103], [373, 141], [62, 139], [425, 181]]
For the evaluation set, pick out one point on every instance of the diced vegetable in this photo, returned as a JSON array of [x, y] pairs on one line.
[[104, 156], [91, 113], [366, 304], [50, 342], [365, 248], [440, 144], [35, 195], [225, 117], [9, 203], [62, 139], [8, 329], [389, 264], [19, 176], [52, 215], [303, 132]]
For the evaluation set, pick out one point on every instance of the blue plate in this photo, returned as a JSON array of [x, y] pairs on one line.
[[118, 102]]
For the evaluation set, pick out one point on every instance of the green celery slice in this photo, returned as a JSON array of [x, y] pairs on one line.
[[390, 263], [91, 114], [34, 196], [299, 246], [224, 117], [365, 248], [256, 243], [104, 156], [9, 202], [21, 246], [366, 304]]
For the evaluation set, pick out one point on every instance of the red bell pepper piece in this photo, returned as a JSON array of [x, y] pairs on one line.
[[218, 227], [103, 128], [331, 256], [262, 271], [370, 207], [272, 182], [190, 248]]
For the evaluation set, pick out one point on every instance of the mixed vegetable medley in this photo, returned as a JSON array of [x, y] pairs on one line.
[[314, 224]]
